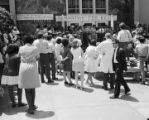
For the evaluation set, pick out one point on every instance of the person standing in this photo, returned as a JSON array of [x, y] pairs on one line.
[[52, 56], [78, 61], [28, 73], [106, 50], [66, 61], [11, 74], [119, 65], [125, 38], [91, 61], [43, 47], [142, 52]]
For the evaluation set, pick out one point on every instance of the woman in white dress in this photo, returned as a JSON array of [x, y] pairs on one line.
[[91, 60], [28, 73], [78, 61]]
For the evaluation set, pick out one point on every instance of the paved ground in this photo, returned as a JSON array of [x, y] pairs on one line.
[[58, 102]]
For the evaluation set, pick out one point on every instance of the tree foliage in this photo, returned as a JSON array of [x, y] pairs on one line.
[[124, 10], [5, 20]]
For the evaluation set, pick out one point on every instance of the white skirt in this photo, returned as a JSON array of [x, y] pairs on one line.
[[9, 80]]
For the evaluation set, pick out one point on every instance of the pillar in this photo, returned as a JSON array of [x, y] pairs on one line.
[[12, 10], [136, 11]]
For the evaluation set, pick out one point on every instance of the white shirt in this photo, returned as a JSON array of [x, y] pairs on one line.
[[51, 48], [124, 36], [115, 53], [42, 45]]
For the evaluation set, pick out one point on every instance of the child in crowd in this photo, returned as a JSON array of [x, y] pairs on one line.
[[91, 61], [11, 71], [66, 61], [78, 61]]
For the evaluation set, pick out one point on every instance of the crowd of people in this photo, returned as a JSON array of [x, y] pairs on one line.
[[22, 60]]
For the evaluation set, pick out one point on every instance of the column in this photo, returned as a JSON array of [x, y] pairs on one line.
[[67, 11], [80, 11], [136, 11], [107, 7], [12, 10], [94, 12]]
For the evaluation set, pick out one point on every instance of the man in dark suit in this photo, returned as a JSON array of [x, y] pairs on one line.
[[119, 65]]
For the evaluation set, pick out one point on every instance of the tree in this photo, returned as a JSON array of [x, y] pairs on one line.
[[6, 22], [125, 10]]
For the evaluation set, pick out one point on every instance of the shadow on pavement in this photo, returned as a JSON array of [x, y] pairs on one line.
[[96, 86], [89, 90], [54, 83], [41, 114], [129, 98]]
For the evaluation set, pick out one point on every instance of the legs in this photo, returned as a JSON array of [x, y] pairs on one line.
[[66, 73], [90, 78], [30, 96], [105, 81], [11, 95]]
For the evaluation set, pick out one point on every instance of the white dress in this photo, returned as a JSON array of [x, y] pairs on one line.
[[91, 59], [78, 61], [28, 73]]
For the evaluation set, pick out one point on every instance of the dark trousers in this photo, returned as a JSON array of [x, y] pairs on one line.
[[119, 81], [109, 77], [44, 67], [52, 64]]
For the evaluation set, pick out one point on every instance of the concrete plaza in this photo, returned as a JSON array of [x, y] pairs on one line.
[[58, 102]]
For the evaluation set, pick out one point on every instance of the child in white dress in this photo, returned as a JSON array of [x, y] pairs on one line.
[[78, 62], [91, 61]]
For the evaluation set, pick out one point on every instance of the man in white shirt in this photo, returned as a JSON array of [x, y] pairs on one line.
[[52, 56], [124, 37], [43, 63]]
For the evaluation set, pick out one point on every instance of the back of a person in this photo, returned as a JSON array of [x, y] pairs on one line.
[[13, 63], [28, 53], [42, 45], [124, 36], [142, 50], [77, 53], [91, 52]]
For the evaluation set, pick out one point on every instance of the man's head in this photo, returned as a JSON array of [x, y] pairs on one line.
[[108, 35]]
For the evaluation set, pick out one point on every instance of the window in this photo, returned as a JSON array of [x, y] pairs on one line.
[[87, 6], [73, 6], [100, 6]]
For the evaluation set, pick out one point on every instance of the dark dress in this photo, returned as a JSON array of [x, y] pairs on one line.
[[67, 59]]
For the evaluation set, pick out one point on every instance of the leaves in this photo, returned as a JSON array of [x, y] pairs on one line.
[[5, 20]]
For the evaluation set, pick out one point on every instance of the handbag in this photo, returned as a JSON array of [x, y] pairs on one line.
[[99, 76]]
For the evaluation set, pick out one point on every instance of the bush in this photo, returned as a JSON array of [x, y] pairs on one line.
[[6, 22]]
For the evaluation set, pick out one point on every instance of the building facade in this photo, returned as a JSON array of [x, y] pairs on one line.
[[141, 12]]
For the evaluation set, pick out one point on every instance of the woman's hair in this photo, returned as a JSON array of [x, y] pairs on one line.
[[65, 42], [28, 39], [49, 37], [58, 41], [12, 48], [92, 42], [75, 44]]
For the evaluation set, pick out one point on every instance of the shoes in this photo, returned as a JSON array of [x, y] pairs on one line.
[[70, 84], [35, 107], [14, 105], [105, 88], [30, 111], [21, 104], [66, 83], [114, 97], [55, 78], [127, 92], [50, 81], [43, 81]]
